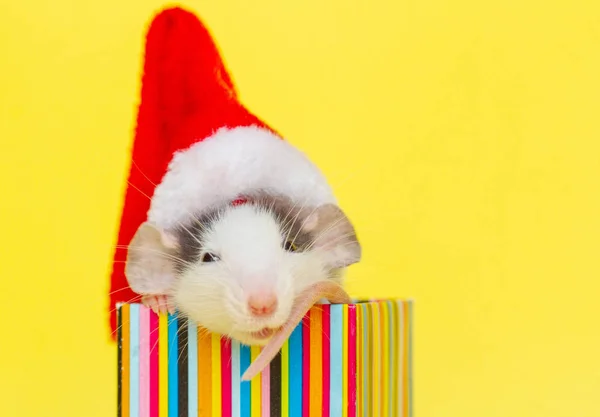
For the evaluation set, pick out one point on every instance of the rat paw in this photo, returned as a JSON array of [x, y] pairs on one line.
[[158, 303]]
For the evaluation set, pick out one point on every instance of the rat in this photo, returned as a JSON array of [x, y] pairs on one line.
[[239, 230]]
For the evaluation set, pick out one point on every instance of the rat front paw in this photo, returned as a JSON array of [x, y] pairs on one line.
[[158, 303]]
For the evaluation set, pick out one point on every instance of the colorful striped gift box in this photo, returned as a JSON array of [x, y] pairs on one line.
[[347, 360]]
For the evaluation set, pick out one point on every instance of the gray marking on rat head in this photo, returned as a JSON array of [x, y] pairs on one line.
[[289, 215], [325, 227], [191, 235]]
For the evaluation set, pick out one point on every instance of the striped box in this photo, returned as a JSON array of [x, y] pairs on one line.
[[347, 360]]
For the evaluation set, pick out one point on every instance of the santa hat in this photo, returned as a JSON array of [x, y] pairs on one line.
[[186, 96]]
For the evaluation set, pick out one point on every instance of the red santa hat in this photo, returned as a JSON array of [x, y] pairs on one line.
[[186, 96]]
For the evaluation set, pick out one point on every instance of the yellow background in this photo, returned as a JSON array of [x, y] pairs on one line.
[[462, 136]]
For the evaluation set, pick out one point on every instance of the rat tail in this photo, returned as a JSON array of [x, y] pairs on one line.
[[186, 95]]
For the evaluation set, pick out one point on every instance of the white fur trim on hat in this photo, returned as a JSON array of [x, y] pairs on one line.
[[230, 163]]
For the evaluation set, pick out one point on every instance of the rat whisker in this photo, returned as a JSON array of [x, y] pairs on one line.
[[142, 172], [340, 238], [285, 222], [197, 221], [122, 324], [120, 289], [148, 179], [158, 252], [288, 224], [355, 172], [134, 299], [149, 198], [304, 223], [181, 334], [328, 229], [306, 218], [305, 323], [203, 332], [293, 222], [193, 236], [154, 346], [173, 343], [138, 190]]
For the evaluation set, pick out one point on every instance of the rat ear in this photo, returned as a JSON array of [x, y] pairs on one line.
[[151, 257], [332, 232]]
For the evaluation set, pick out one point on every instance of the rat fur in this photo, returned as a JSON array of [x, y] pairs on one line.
[[205, 257]]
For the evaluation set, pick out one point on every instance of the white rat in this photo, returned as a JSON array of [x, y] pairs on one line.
[[241, 224]]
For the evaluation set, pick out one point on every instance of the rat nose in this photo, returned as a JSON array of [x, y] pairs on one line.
[[262, 304]]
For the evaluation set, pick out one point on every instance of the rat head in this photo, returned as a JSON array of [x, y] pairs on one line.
[[237, 270]]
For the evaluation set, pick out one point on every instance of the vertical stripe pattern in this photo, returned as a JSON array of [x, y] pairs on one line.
[[351, 360], [236, 375], [315, 373], [352, 368], [275, 387], [245, 387], [226, 378], [163, 366], [295, 373], [306, 393], [215, 346], [285, 377], [144, 405], [326, 353], [255, 387], [192, 360], [182, 368], [336, 335], [173, 363], [154, 389], [134, 360]]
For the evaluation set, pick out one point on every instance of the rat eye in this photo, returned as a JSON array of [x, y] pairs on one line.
[[290, 247], [209, 257]]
